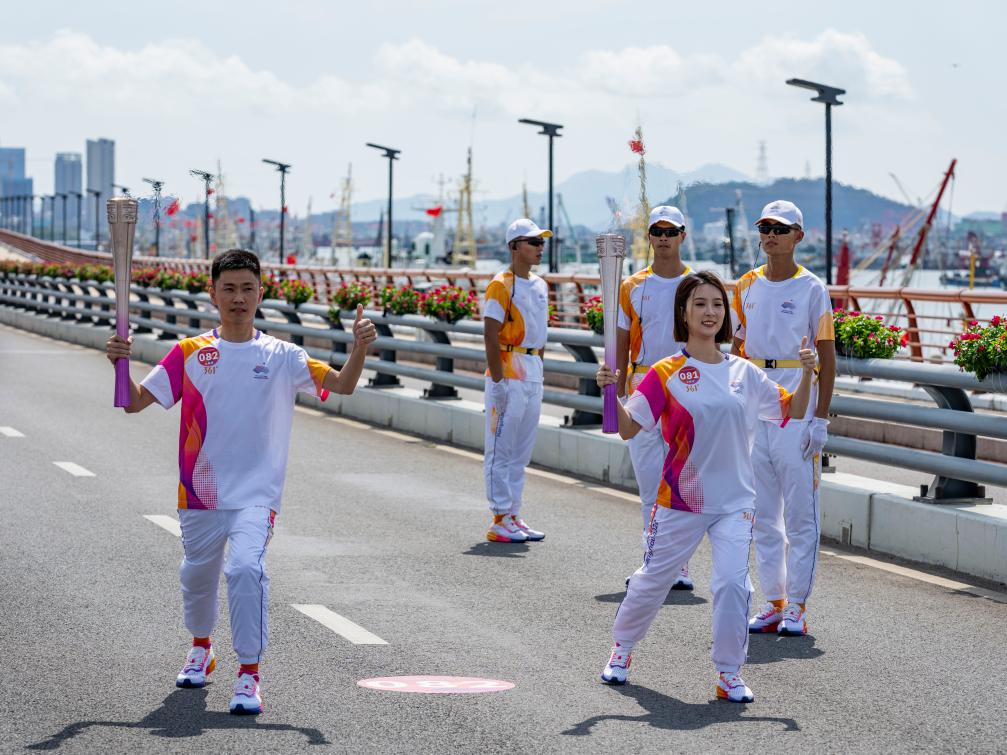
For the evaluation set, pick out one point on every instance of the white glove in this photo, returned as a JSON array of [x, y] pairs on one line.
[[816, 435], [498, 393]]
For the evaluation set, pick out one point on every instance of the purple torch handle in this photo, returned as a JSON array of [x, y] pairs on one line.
[[609, 417], [123, 396]]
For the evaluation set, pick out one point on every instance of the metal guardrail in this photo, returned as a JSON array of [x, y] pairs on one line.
[[958, 475]]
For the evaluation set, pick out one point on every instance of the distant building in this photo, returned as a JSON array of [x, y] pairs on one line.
[[100, 176], [69, 179], [13, 181]]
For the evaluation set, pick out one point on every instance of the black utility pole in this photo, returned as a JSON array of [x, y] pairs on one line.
[[282, 168], [251, 227], [31, 215], [207, 178], [392, 155], [80, 201], [730, 241], [156, 184], [96, 193], [828, 95], [552, 131], [63, 195]]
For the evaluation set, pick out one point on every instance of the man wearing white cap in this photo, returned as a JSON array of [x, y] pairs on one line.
[[515, 318], [774, 306], [645, 336]]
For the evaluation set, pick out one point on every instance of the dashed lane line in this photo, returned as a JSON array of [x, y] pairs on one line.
[[10, 432], [75, 469], [168, 523], [339, 624]]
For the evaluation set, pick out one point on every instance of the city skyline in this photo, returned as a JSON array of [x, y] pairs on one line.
[[175, 98]]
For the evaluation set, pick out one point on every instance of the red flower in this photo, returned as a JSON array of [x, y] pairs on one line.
[[996, 320]]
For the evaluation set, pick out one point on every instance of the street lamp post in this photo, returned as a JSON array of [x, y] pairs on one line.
[[207, 178], [63, 195], [31, 215], [552, 131], [96, 193], [392, 155], [156, 184], [829, 96], [282, 169], [80, 201]]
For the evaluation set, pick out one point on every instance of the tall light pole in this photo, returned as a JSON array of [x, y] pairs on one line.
[[282, 169], [31, 215], [552, 131], [96, 193], [392, 155], [207, 178], [80, 201], [63, 195], [829, 96], [156, 185]]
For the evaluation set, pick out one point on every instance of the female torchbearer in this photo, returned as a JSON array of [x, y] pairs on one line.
[[707, 404]]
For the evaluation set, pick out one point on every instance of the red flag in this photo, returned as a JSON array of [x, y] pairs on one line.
[[210, 215], [435, 211], [637, 146], [173, 207], [209, 192], [291, 259], [284, 209], [239, 220]]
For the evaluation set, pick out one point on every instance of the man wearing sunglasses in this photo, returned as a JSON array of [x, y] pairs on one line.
[[773, 307], [515, 318], [646, 335]]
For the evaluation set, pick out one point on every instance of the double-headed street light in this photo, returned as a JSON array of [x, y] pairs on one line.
[[282, 169], [80, 201], [207, 178], [829, 96], [392, 155], [63, 195], [96, 193], [156, 184], [552, 131]]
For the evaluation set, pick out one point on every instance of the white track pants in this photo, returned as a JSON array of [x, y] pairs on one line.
[[246, 533], [648, 450], [787, 512], [510, 440], [672, 539]]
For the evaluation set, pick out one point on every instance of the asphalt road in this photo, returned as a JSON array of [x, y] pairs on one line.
[[387, 532]]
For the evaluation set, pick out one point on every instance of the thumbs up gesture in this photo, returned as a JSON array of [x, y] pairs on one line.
[[364, 331], [808, 359]]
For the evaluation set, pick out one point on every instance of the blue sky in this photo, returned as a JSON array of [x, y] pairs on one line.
[[183, 84]]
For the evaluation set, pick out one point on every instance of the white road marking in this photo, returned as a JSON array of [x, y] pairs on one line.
[[75, 469], [168, 523], [933, 579], [10, 432], [339, 624]]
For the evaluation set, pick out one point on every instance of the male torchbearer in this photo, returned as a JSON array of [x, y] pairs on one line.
[[122, 212]]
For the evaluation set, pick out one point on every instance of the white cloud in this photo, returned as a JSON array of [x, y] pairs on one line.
[[649, 71]]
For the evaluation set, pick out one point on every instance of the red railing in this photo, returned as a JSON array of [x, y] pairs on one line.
[[931, 317]]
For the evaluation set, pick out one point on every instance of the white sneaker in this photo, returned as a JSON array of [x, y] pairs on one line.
[[792, 621], [618, 667], [506, 532], [683, 581], [198, 664], [246, 700], [732, 688], [532, 535], [766, 620]]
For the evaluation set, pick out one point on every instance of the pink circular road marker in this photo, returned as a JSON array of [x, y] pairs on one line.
[[435, 685]]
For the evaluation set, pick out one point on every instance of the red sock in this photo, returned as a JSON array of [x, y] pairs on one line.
[[249, 668], [201, 642]]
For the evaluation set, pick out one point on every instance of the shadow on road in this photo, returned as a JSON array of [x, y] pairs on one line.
[[770, 648], [498, 550], [664, 712], [182, 714], [675, 598]]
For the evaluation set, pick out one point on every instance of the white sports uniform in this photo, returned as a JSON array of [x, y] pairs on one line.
[[647, 313], [522, 305], [771, 317], [708, 414], [237, 409]]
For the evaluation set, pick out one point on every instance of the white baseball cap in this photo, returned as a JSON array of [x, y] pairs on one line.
[[666, 212], [523, 228], [782, 211]]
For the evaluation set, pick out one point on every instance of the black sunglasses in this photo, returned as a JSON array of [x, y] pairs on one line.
[[671, 232], [534, 241], [778, 230]]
